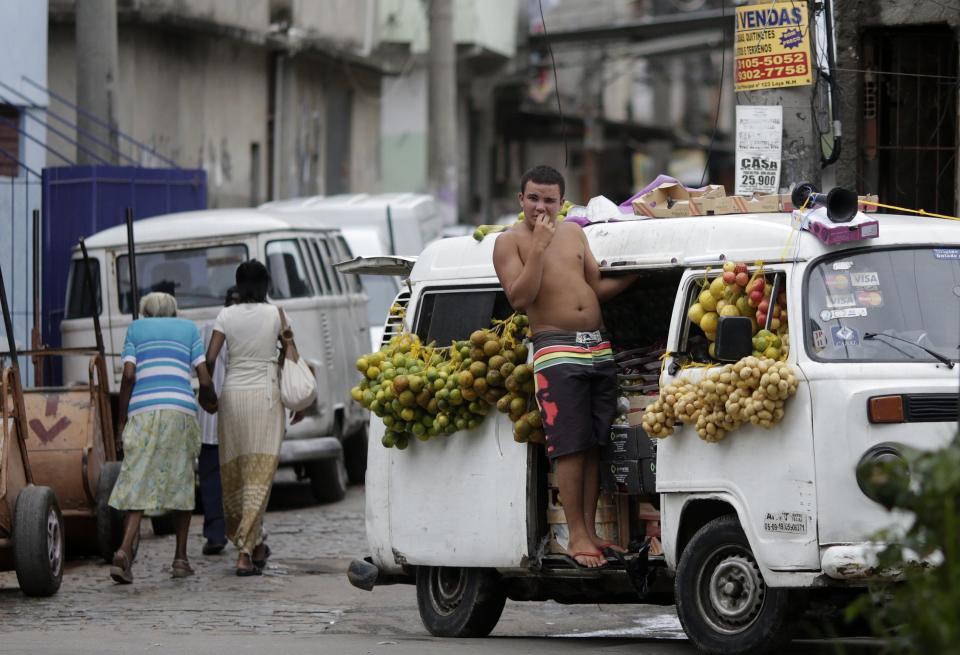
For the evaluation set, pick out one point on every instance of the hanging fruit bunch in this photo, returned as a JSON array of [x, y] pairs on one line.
[[738, 293], [753, 389], [424, 391]]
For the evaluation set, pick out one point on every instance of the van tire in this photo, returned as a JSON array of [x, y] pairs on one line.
[[459, 602], [38, 541], [109, 520], [747, 618], [328, 479], [355, 456]]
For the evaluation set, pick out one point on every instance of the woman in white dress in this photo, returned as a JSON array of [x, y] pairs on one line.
[[250, 415]]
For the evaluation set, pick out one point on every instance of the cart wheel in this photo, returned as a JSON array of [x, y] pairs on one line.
[[38, 544], [723, 603], [459, 602], [109, 520], [328, 479]]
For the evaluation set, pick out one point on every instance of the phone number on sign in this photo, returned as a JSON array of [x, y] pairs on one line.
[[772, 66]]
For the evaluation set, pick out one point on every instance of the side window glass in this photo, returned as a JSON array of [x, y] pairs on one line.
[[329, 257], [79, 302], [693, 339], [310, 262], [288, 273], [353, 281], [322, 265]]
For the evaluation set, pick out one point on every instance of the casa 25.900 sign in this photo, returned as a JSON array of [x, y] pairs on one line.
[[772, 46]]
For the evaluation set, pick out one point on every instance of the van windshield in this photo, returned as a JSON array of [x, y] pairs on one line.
[[196, 277], [884, 305]]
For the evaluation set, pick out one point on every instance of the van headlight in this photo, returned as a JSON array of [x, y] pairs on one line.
[[883, 474]]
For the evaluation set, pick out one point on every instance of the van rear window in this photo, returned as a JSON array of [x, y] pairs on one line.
[[196, 277], [79, 302], [447, 315]]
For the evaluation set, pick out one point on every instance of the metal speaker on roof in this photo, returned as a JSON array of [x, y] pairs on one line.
[[841, 204]]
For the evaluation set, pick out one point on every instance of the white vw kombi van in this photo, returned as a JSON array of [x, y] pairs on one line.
[[194, 256], [746, 523]]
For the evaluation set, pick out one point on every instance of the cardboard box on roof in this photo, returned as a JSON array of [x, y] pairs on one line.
[[672, 200]]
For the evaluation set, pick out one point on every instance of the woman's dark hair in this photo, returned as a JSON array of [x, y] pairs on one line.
[[253, 280]]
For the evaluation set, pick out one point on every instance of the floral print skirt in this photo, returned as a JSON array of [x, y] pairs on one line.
[[157, 473]]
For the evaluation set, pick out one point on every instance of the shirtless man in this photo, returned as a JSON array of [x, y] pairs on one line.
[[547, 270]]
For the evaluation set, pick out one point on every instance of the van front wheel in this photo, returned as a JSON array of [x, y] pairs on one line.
[[459, 602], [723, 603]]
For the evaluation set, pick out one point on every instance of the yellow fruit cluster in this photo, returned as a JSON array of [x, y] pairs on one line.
[[753, 389], [424, 391], [483, 230], [737, 293]]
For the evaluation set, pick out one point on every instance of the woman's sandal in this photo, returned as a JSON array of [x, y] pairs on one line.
[[121, 570], [181, 569], [245, 572], [261, 562]]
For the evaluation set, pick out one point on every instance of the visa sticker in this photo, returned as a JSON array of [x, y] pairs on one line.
[[842, 300], [842, 266], [819, 340], [865, 279], [849, 312], [844, 336], [946, 253]]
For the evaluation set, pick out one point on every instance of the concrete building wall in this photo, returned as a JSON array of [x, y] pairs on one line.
[[351, 23], [23, 33]]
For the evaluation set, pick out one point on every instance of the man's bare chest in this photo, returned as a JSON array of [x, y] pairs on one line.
[[565, 253]]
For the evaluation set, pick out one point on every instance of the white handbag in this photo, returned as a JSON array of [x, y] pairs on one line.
[[298, 387]]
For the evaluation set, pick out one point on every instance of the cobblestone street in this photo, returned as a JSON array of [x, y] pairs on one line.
[[302, 602]]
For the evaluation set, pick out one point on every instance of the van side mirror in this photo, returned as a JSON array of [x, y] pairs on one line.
[[734, 338]]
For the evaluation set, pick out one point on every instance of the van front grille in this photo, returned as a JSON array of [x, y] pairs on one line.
[[394, 324], [929, 407]]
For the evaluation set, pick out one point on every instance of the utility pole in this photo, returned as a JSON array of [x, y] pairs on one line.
[[800, 158], [97, 82], [442, 110]]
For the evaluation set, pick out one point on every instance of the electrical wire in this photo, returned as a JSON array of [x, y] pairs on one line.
[[716, 118], [556, 88]]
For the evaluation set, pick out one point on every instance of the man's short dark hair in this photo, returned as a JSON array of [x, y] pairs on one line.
[[543, 175]]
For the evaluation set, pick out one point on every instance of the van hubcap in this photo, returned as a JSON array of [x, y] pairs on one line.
[[730, 590], [446, 588]]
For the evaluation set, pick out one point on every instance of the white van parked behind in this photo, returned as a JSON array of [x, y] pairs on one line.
[[746, 523], [194, 255]]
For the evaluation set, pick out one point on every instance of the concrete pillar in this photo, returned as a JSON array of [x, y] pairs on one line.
[[97, 81], [442, 110]]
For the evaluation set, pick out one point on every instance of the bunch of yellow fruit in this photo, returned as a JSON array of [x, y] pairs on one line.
[[424, 391], [753, 389]]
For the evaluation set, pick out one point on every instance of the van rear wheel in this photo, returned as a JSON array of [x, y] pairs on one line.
[[328, 479], [723, 603], [459, 602]]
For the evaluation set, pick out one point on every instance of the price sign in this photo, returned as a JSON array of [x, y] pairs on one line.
[[772, 46], [759, 141]]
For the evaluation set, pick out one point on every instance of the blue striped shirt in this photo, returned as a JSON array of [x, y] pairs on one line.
[[165, 351]]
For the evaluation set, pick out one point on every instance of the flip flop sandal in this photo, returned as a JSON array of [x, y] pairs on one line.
[[262, 562], [579, 565], [181, 569], [121, 570], [245, 572]]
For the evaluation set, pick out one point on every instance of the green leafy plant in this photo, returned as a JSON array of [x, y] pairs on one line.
[[921, 613]]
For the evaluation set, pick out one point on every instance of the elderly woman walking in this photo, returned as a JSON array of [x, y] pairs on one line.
[[250, 415], [158, 423]]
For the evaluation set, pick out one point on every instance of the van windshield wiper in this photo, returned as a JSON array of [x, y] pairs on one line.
[[933, 353]]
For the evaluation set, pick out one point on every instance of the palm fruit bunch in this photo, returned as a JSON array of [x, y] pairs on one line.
[[753, 389], [425, 391], [738, 293], [484, 230]]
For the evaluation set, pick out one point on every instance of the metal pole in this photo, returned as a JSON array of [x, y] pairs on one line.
[[88, 285], [36, 340], [134, 289], [97, 77], [393, 240], [442, 110]]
